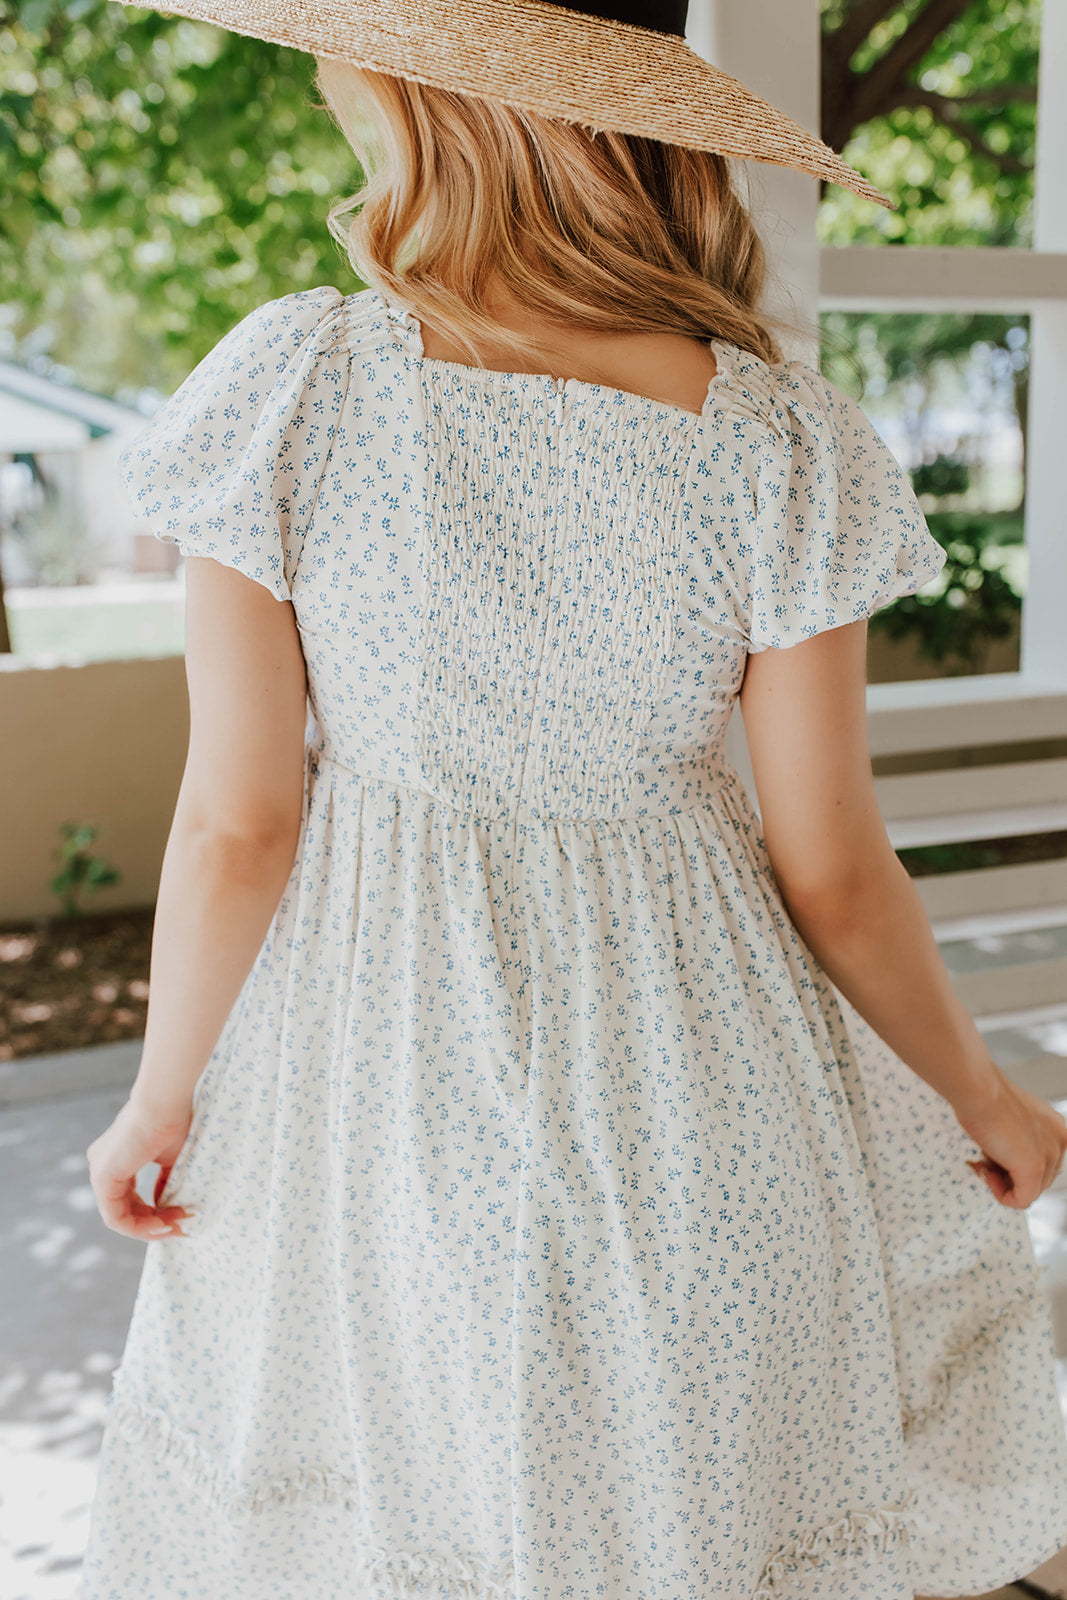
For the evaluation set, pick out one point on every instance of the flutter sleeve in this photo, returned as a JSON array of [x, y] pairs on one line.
[[838, 532], [229, 467]]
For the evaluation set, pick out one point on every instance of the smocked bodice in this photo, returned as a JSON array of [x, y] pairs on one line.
[[520, 594]]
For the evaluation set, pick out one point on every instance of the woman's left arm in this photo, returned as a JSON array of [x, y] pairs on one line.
[[229, 855]]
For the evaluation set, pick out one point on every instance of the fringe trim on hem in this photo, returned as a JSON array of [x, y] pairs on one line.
[[856, 1534], [432, 1575], [383, 1574], [1024, 1307], [169, 1444], [415, 1575]]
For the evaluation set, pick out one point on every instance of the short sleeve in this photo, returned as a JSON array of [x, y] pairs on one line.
[[838, 530], [229, 467]]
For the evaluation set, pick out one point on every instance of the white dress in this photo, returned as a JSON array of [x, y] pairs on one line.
[[561, 1233]]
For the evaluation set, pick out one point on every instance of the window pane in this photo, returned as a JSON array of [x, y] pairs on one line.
[[947, 392], [941, 117]]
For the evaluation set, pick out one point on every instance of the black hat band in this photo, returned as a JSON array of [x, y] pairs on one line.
[[662, 16]]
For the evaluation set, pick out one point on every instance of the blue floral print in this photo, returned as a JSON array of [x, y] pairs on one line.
[[560, 1231]]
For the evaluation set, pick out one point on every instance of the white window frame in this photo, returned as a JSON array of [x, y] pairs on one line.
[[774, 47]]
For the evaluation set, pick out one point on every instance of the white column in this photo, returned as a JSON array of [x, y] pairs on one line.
[[1044, 642], [773, 47]]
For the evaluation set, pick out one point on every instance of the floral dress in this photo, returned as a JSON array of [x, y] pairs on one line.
[[561, 1232]]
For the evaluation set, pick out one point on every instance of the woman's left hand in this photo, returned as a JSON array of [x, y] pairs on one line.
[[116, 1157]]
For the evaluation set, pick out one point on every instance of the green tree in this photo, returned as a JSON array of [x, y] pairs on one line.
[[901, 358], [163, 177], [885, 349], [935, 102]]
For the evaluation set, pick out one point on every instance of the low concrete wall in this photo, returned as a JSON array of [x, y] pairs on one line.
[[103, 742]]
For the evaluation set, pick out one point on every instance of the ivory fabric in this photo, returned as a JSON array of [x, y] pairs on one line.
[[560, 1230]]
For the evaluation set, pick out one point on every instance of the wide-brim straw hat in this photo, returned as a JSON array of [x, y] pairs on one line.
[[623, 66]]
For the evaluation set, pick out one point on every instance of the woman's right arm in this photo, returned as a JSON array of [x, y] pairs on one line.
[[854, 905]]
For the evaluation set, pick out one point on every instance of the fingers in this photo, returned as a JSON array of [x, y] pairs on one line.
[[123, 1210], [160, 1224], [148, 1229], [1017, 1190], [1000, 1184]]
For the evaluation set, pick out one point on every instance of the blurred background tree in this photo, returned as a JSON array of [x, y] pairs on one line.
[[912, 369], [935, 102], [163, 177]]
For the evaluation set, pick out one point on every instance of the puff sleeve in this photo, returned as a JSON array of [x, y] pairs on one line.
[[229, 467], [838, 530]]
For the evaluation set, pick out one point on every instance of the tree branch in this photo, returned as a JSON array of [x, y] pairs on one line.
[[860, 19], [857, 97]]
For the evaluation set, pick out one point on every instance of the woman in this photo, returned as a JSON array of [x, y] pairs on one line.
[[552, 1225]]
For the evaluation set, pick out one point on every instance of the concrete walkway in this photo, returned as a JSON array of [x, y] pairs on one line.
[[69, 1287]]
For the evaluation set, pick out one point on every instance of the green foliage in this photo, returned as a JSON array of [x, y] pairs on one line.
[[875, 351], [953, 139], [163, 177], [975, 603], [901, 358], [944, 475], [82, 872]]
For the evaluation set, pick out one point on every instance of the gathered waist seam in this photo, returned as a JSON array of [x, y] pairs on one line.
[[727, 776]]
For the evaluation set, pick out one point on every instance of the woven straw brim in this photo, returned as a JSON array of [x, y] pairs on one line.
[[544, 58]]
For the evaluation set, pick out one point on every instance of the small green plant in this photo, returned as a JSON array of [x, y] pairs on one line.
[[976, 602], [944, 475], [82, 872]]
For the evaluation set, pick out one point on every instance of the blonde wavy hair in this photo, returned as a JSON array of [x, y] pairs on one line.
[[602, 231]]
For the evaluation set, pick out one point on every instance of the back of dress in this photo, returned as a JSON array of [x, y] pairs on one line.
[[559, 1231]]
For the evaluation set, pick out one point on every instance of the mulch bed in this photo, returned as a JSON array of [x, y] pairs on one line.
[[68, 982]]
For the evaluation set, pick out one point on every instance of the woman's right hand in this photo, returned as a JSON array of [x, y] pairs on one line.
[[1022, 1138]]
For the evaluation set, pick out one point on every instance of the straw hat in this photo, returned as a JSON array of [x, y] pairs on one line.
[[622, 65]]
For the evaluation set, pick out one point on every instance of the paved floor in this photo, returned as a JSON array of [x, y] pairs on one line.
[[69, 1285]]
